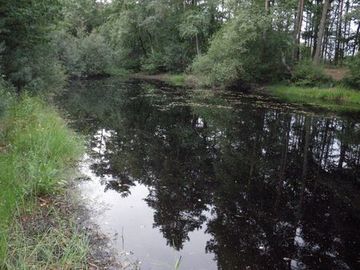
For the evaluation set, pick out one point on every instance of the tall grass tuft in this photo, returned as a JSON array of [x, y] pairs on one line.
[[52, 242], [36, 148]]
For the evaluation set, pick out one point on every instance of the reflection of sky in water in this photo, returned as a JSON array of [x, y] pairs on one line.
[[129, 221]]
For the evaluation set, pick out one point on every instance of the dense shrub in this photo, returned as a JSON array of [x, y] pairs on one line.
[[96, 55], [156, 37], [308, 74], [123, 37], [36, 70], [153, 63], [171, 59], [353, 78], [69, 52], [85, 54], [238, 52]]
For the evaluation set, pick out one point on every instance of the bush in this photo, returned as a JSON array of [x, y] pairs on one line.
[[69, 52], [37, 70], [84, 55], [307, 74], [96, 55], [171, 59], [175, 58], [238, 52], [153, 63], [353, 79]]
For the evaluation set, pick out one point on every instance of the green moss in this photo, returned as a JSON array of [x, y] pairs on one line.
[[336, 98]]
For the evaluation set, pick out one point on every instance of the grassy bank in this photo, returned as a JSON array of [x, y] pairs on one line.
[[337, 98], [36, 149]]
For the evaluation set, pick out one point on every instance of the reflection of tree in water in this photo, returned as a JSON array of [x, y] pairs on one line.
[[288, 212], [283, 188]]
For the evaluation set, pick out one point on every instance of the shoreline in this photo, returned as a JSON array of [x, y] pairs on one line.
[[336, 99], [176, 80], [43, 221]]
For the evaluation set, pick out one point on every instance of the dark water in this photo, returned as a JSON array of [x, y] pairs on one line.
[[220, 180]]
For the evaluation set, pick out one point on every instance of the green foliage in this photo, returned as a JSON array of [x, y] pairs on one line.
[[154, 63], [69, 52], [35, 149], [26, 58], [308, 74], [25, 24], [95, 54], [123, 36], [238, 52], [158, 36], [353, 79], [84, 55], [193, 23], [37, 70], [85, 14]]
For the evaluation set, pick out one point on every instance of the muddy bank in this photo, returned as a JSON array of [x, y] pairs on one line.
[[66, 220]]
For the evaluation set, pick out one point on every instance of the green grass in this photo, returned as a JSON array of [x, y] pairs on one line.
[[36, 149], [176, 79], [337, 98], [46, 240], [117, 72]]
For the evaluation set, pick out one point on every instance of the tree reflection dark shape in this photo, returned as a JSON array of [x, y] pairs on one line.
[[273, 189]]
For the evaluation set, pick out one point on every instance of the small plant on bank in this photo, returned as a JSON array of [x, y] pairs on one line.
[[307, 74]]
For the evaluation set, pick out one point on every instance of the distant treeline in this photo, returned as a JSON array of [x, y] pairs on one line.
[[221, 41]]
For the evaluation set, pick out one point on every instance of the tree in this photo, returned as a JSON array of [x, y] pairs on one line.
[[320, 34], [24, 32], [297, 29]]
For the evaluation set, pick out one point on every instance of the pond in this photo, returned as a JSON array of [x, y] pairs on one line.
[[196, 179]]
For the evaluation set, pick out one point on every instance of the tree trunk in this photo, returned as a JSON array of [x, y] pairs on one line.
[[315, 28], [347, 30], [267, 7], [356, 39], [297, 30], [326, 41], [320, 35], [198, 52], [339, 32]]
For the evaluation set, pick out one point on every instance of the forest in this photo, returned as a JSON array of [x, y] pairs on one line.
[[223, 43], [239, 119]]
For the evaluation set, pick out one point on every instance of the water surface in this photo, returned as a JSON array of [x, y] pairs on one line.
[[218, 180]]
